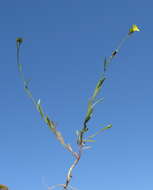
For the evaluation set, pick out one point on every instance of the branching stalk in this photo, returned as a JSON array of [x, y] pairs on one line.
[[69, 175], [90, 109]]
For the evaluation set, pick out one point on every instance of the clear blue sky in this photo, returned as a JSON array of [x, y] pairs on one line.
[[65, 42]]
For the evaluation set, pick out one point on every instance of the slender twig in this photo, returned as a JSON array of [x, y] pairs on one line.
[[69, 175]]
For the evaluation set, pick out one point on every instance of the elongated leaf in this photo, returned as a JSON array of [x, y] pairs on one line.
[[101, 130], [89, 140], [98, 88], [98, 101], [39, 108], [50, 123], [89, 112], [86, 147], [105, 64], [20, 67]]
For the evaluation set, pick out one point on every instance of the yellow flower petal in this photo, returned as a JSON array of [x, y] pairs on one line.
[[134, 28]]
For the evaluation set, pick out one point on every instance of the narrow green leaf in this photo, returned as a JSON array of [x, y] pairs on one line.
[[105, 64], [49, 123], [101, 130], [89, 140], [20, 67], [98, 87], [39, 108], [100, 82], [89, 112], [98, 101]]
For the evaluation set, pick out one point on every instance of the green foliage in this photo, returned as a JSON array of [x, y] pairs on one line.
[[89, 113], [98, 88], [40, 110], [101, 130]]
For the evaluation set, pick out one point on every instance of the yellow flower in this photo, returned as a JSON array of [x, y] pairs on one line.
[[133, 29]]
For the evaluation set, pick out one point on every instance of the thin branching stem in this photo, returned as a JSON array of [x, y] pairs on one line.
[[91, 104], [69, 175]]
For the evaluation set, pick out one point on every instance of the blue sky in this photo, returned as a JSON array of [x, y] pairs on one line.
[[65, 43]]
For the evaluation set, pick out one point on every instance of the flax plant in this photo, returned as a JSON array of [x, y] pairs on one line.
[[82, 141]]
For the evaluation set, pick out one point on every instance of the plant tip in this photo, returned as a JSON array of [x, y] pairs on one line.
[[19, 40], [133, 29]]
